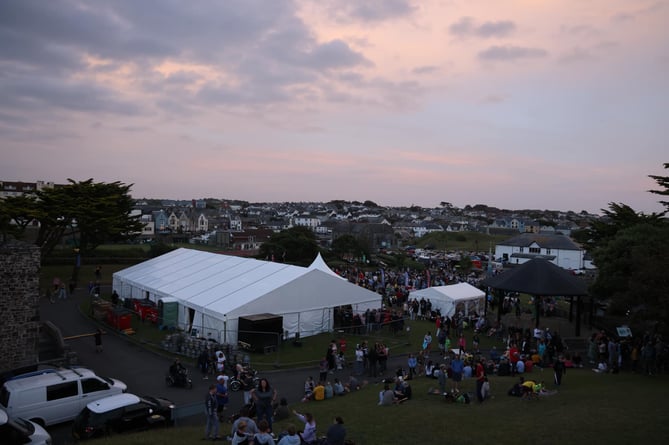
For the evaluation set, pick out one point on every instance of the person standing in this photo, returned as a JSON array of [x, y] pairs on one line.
[[203, 363], [98, 340], [480, 380], [264, 396], [412, 362], [372, 357], [427, 342], [323, 367], [457, 367], [211, 411], [559, 369], [330, 356], [359, 360], [221, 395]]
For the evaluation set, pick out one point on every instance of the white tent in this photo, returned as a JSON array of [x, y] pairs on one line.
[[214, 290], [447, 298]]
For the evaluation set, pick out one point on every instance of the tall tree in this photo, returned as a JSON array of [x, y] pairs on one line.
[[662, 181], [632, 272], [295, 245], [349, 245], [86, 212], [617, 217]]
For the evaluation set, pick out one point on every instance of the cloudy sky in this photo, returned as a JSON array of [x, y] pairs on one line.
[[548, 104]]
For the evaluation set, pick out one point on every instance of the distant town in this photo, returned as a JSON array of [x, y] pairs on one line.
[[234, 225]]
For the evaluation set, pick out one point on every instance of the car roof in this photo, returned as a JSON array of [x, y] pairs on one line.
[[112, 402], [47, 377]]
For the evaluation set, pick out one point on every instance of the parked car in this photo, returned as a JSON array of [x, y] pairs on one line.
[[21, 432], [53, 396], [121, 413]]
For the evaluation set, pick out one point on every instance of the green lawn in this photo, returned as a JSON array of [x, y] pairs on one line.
[[589, 408]]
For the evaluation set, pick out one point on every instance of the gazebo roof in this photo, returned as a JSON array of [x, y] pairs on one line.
[[539, 277]]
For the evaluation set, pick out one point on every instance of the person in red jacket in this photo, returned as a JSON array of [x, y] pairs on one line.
[[514, 356], [480, 379]]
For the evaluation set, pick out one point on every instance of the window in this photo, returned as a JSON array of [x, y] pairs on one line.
[[522, 249], [548, 251], [535, 249], [93, 385], [61, 391]]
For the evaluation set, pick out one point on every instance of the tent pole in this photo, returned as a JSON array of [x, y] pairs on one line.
[[571, 307], [578, 316], [537, 309]]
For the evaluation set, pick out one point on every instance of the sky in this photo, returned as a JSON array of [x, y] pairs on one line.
[[516, 104]]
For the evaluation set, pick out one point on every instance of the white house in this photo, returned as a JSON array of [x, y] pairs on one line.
[[555, 247]]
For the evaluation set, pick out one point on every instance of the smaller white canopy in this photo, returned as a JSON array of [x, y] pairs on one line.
[[446, 298]]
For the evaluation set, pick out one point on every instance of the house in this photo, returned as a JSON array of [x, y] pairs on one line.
[[557, 248]]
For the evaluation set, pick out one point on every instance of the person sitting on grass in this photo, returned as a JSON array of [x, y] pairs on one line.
[[329, 390], [282, 412], [263, 437], [309, 386], [290, 436], [402, 391], [387, 396], [309, 434], [319, 392], [353, 384], [338, 387], [336, 434]]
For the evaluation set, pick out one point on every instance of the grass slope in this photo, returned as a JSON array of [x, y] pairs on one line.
[[589, 408]]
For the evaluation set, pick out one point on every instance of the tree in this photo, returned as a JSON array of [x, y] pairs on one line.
[[16, 213], [630, 251], [619, 216], [295, 245], [662, 181], [86, 212], [632, 272], [346, 245]]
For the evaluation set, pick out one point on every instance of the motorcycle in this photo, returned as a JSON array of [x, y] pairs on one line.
[[236, 383], [181, 379]]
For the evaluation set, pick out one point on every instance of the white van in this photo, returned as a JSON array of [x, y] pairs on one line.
[[53, 396]]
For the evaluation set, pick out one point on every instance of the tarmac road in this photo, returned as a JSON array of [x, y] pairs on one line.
[[144, 371]]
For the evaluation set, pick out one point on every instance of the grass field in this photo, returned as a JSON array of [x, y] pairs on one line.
[[589, 408]]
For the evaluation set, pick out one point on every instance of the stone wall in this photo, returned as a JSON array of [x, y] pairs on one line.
[[19, 305]]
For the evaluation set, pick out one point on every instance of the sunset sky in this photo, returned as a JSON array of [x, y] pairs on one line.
[[555, 104]]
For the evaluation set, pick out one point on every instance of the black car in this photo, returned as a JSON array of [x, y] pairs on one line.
[[120, 413]]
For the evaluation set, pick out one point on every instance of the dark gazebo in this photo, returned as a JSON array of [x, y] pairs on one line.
[[540, 278]]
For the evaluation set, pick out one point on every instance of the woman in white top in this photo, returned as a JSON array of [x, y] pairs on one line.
[[309, 433]]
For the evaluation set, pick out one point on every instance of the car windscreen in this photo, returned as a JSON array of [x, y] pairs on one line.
[[108, 380]]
